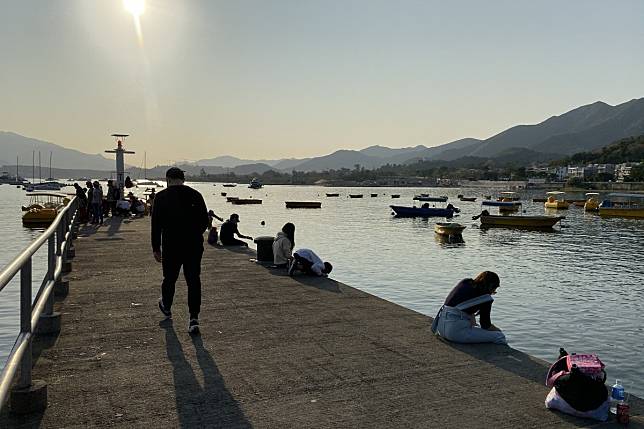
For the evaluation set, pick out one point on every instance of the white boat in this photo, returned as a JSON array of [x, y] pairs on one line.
[[44, 186]]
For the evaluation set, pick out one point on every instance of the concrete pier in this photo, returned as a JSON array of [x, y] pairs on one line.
[[275, 352]]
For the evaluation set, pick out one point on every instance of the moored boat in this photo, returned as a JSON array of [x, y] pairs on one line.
[[355, 195], [242, 201], [223, 194], [623, 205], [531, 222], [425, 197], [255, 184], [229, 185], [448, 228], [556, 201], [505, 204], [332, 194], [374, 195], [462, 198], [592, 202], [303, 204], [395, 195], [229, 199], [43, 208], [402, 211]]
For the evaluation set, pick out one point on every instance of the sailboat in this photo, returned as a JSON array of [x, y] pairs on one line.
[[49, 185], [145, 182]]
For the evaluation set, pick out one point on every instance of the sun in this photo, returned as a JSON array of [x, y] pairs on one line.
[[135, 7]]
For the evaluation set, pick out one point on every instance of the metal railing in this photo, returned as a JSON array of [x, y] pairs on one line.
[[58, 237]]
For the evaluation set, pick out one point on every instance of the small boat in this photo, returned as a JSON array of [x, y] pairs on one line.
[[223, 194], [145, 183], [623, 205], [556, 201], [462, 198], [487, 197], [303, 204], [425, 197], [530, 222], [43, 208], [332, 194], [44, 186], [401, 211], [448, 228], [355, 195], [508, 196], [374, 195], [505, 204], [395, 195], [229, 185], [229, 199], [592, 202], [255, 184], [242, 201]]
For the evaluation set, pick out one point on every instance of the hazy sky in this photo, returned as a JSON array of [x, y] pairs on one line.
[[295, 78]]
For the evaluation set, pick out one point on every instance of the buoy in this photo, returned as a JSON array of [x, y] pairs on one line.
[[262, 223]]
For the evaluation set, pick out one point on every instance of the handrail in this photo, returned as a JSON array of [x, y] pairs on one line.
[[58, 237]]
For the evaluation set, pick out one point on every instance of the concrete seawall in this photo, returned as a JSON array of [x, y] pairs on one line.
[[275, 352]]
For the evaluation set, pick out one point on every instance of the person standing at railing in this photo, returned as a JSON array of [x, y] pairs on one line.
[[97, 204], [90, 206], [179, 220]]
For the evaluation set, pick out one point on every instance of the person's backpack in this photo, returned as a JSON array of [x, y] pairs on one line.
[[578, 380]]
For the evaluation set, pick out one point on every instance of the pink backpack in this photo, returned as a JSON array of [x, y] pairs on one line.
[[588, 364]]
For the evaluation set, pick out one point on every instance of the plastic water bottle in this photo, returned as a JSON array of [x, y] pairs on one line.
[[616, 396]]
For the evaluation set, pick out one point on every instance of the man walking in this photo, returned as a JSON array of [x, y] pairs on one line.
[[179, 220]]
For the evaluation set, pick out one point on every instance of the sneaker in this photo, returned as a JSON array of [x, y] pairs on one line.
[[166, 313], [193, 327], [291, 267]]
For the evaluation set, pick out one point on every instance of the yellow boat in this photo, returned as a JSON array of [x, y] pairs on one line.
[[448, 228], [592, 202], [623, 205], [508, 196], [43, 207], [556, 201]]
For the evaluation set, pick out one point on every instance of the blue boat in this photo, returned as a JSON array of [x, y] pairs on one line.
[[402, 211], [255, 184]]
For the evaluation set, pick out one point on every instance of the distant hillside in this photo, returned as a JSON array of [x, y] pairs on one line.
[[385, 152], [12, 145], [231, 162], [584, 128], [340, 159], [288, 164], [446, 152], [630, 149]]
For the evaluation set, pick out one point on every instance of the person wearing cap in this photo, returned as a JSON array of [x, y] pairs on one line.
[[179, 220], [228, 231]]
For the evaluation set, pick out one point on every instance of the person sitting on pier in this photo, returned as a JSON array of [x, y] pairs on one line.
[[306, 260], [213, 236], [283, 246], [228, 231], [456, 320]]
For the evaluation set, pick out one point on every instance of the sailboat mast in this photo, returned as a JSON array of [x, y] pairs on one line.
[[50, 176], [17, 162], [39, 168], [145, 166], [33, 165]]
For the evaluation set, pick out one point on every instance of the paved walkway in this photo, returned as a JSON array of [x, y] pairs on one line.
[[275, 352]]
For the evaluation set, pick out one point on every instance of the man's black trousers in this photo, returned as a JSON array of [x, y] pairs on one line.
[[173, 259]]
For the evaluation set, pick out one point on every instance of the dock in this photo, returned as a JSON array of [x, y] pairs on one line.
[[274, 352]]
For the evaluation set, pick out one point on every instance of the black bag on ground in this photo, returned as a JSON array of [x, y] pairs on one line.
[[581, 391]]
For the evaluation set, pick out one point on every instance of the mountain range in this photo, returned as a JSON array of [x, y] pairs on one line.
[[585, 128]]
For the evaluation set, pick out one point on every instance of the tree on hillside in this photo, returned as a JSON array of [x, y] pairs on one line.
[[637, 173]]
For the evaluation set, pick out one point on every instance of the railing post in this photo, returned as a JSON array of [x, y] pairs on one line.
[[25, 322], [51, 268]]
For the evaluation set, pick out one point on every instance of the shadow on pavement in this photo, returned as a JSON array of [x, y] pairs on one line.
[[209, 406]]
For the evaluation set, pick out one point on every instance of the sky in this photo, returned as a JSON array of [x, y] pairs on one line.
[[295, 78]]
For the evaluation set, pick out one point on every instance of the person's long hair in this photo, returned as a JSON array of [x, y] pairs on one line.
[[487, 281], [289, 230]]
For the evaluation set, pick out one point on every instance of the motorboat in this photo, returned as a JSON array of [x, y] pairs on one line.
[[146, 183], [507, 201], [374, 195], [355, 195], [395, 195], [229, 185], [11, 180], [44, 186], [425, 197], [446, 212], [592, 202], [508, 196], [223, 194], [528, 222], [230, 199], [461, 197], [332, 194], [448, 228], [43, 208], [623, 205], [255, 184], [303, 204], [556, 201]]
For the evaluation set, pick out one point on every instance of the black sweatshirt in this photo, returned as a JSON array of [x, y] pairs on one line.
[[464, 291], [179, 219]]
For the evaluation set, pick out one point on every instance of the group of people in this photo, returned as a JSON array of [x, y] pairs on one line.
[[95, 205], [180, 218]]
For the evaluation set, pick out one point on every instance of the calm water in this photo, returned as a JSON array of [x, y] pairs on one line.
[[580, 287]]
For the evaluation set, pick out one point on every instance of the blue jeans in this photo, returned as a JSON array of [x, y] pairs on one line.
[[457, 326]]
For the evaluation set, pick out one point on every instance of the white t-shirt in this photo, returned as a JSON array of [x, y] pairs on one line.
[[309, 255]]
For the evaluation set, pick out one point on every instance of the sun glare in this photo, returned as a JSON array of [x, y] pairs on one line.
[[135, 7]]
